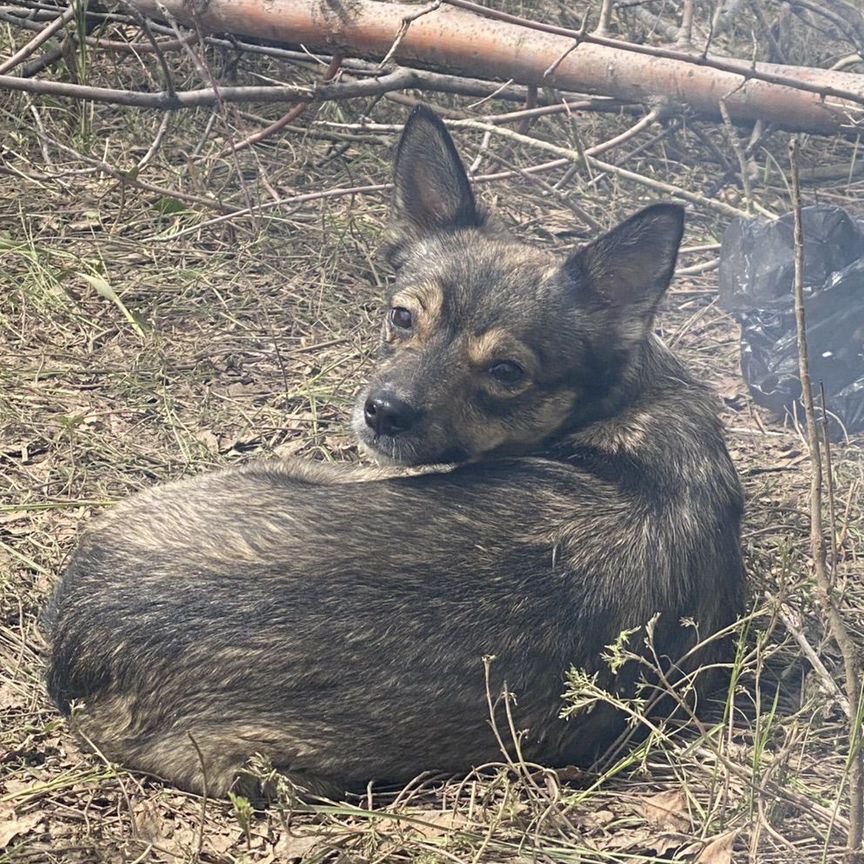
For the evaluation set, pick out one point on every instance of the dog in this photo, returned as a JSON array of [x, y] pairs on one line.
[[551, 477]]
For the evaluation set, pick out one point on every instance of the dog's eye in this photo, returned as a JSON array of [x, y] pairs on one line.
[[401, 317], [506, 371]]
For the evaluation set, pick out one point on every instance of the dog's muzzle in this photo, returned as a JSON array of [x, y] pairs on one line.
[[386, 414]]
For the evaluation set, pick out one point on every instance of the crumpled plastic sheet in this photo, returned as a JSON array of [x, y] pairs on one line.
[[757, 271]]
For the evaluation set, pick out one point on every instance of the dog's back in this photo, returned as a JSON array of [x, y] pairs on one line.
[[336, 622]]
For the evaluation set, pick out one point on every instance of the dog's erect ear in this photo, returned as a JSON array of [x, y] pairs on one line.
[[432, 193], [629, 269]]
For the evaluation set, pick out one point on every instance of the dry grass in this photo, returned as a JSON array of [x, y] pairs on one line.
[[136, 346]]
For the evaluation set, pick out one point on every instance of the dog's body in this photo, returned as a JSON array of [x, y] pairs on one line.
[[335, 619]]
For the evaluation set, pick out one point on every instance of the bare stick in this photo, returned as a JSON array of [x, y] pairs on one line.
[[739, 154], [684, 39], [143, 47], [167, 77], [42, 36], [836, 625], [271, 205], [605, 17], [403, 28], [286, 119], [738, 67], [565, 107], [829, 473], [639, 126], [828, 683], [777, 54], [398, 80], [402, 78], [203, 820]]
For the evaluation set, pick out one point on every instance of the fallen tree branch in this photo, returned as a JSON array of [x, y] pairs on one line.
[[164, 100], [497, 45], [400, 79], [460, 85], [795, 77]]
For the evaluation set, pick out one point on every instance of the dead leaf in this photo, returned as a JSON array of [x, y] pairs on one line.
[[184, 838], [241, 389], [436, 823], [719, 850], [731, 390], [18, 787], [289, 448], [11, 697], [667, 809], [147, 821], [597, 819], [219, 844], [628, 839], [12, 826], [295, 847], [641, 841], [208, 439]]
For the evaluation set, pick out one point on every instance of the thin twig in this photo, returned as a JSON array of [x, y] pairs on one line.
[[605, 18], [565, 107], [143, 47], [829, 476], [777, 54], [285, 119], [739, 154], [153, 149], [167, 77], [648, 120], [203, 820], [282, 202], [129, 178], [403, 29], [684, 39], [830, 686], [836, 625], [41, 37]]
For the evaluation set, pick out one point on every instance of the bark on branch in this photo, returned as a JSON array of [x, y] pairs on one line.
[[458, 40]]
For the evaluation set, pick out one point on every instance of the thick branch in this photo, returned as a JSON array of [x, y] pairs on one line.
[[461, 41], [163, 100]]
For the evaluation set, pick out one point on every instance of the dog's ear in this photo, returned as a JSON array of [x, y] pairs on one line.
[[431, 189], [627, 270]]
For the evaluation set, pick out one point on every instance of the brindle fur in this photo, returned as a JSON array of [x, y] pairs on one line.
[[335, 619]]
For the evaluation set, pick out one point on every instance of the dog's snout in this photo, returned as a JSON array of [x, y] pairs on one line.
[[386, 414]]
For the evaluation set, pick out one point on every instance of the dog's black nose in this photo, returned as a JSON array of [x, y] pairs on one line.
[[388, 415]]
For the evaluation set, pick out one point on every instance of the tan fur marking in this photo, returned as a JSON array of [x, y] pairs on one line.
[[426, 302], [499, 344]]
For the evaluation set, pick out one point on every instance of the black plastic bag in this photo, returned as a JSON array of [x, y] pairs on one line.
[[757, 270]]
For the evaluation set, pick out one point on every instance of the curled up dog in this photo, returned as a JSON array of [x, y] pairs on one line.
[[334, 618]]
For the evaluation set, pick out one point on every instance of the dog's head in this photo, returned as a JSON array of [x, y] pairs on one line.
[[491, 347]]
